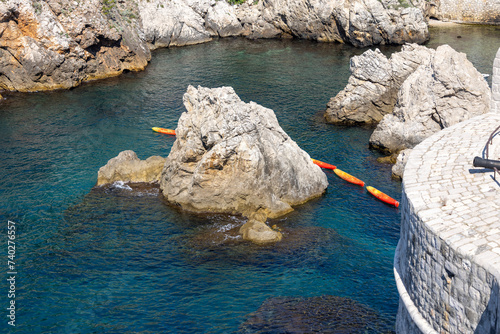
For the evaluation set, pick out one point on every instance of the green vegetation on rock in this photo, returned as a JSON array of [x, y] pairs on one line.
[[107, 6], [236, 2]]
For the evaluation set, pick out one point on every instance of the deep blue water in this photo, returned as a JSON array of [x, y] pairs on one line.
[[115, 261]]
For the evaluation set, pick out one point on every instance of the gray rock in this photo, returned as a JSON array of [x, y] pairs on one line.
[[399, 166], [358, 22], [257, 231], [233, 157], [221, 19], [59, 44], [171, 23], [250, 14], [437, 95], [371, 92], [127, 167]]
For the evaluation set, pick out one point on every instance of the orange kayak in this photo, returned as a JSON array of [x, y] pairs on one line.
[[323, 164], [381, 196], [165, 131], [348, 177]]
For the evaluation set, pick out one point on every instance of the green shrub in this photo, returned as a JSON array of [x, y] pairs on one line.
[[107, 6]]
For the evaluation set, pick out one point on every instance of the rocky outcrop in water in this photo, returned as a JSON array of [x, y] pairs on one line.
[[443, 92], [372, 89], [233, 157], [58, 44], [322, 314], [127, 167]]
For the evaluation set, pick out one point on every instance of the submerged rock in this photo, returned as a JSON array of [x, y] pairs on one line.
[[443, 92], [127, 167], [323, 314], [233, 157], [375, 80], [256, 230]]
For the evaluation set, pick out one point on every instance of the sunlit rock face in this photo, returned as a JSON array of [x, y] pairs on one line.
[[233, 157]]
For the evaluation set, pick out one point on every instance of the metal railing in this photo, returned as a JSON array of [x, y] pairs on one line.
[[487, 162]]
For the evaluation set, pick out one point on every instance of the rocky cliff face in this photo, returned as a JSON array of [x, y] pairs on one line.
[[358, 22], [440, 93], [58, 44], [372, 89], [233, 157]]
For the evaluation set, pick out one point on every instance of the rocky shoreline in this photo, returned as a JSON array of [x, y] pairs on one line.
[[57, 44], [229, 157], [409, 96]]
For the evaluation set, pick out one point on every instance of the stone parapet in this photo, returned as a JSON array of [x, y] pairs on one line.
[[448, 258], [495, 84]]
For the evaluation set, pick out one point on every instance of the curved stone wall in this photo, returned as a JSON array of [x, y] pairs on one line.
[[447, 262], [448, 258]]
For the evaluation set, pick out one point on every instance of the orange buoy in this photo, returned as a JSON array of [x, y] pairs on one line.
[[383, 197], [348, 177], [323, 164], [165, 131]]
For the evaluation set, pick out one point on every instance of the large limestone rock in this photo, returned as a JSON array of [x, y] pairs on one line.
[[127, 167], [173, 23], [221, 19], [437, 95], [58, 44], [371, 92], [358, 22], [233, 157]]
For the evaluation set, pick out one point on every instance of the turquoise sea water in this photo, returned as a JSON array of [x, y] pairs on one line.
[[116, 261]]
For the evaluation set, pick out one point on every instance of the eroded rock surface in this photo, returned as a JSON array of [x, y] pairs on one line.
[[127, 167], [58, 44], [233, 157], [375, 80], [445, 91]]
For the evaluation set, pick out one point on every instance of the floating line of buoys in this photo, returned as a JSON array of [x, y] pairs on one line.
[[343, 175], [349, 178], [323, 164], [383, 197], [165, 131]]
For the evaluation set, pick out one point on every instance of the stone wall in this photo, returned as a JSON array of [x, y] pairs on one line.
[[495, 85], [472, 11], [447, 263], [447, 259]]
